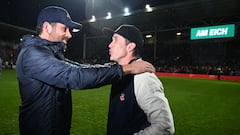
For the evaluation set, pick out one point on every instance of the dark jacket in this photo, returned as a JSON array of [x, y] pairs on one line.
[[138, 106], [125, 117], [45, 79]]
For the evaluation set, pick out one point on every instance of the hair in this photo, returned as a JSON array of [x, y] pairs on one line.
[[39, 29], [136, 51]]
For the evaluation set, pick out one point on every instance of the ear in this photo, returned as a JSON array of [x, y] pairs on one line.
[[131, 46], [47, 27]]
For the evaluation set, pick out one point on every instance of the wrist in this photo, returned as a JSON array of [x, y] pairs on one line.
[[127, 69]]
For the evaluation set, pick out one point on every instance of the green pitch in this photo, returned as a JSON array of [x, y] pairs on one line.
[[199, 106]]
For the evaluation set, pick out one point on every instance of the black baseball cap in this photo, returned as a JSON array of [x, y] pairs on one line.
[[130, 32], [57, 14]]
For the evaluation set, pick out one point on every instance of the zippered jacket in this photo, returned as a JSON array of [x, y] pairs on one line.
[[45, 79]]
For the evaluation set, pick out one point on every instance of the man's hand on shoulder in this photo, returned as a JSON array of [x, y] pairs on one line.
[[137, 67]]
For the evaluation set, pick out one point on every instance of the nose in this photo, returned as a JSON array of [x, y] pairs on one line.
[[68, 33], [110, 45]]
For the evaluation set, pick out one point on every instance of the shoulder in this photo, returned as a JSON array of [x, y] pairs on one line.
[[35, 54], [37, 50], [147, 77], [148, 81]]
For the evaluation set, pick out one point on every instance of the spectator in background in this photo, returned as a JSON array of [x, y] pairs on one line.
[[219, 72], [46, 78], [138, 105]]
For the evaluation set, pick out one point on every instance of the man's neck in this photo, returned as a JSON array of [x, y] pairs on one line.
[[126, 60]]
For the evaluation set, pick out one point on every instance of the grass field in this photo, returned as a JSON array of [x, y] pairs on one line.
[[199, 106]]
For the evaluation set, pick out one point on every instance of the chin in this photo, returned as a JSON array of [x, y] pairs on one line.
[[112, 59]]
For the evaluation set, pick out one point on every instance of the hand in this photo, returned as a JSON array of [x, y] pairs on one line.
[[137, 67]]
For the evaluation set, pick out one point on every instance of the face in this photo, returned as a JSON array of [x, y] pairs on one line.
[[118, 48], [59, 33]]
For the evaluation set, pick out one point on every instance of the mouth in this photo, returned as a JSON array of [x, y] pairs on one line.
[[110, 53]]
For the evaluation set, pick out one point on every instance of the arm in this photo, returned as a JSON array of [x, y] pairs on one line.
[[40, 64], [43, 66], [136, 67], [151, 98]]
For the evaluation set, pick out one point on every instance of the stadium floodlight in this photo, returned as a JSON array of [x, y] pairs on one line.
[[75, 30], [148, 8], [178, 33], [126, 11], [109, 15], [149, 36], [93, 19]]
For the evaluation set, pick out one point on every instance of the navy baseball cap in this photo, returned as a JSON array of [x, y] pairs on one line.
[[57, 14], [130, 32]]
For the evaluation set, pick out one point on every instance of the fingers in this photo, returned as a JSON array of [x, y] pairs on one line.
[[150, 67], [142, 66]]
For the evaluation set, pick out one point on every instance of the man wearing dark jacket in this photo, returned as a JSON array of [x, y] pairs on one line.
[[138, 105], [46, 78]]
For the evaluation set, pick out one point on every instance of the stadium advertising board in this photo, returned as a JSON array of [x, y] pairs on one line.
[[219, 31]]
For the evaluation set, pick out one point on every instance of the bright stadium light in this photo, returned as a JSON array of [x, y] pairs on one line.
[[75, 30], [93, 19], [148, 36], [178, 33], [148, 8], [126, 11], [109, 15]]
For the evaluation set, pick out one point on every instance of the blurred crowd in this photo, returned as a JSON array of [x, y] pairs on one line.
[[176, 65], [8, 56], [201, 69]]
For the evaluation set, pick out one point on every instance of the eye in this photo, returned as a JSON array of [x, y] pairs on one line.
[[71, 29], [65, 29]]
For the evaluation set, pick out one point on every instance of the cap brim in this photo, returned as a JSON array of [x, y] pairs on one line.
[[108, 32], [75, 26]]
